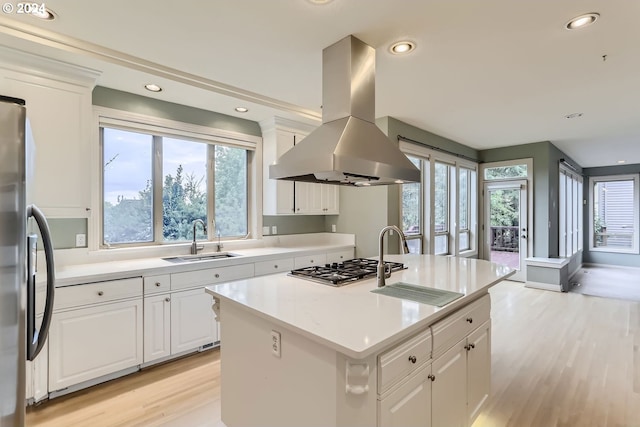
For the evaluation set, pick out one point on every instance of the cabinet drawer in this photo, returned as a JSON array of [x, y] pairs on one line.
[[459, 324], [199, 278], [155, 284], [340, 256], [274, 266], [309, 260], [397, 363], [94, 293]]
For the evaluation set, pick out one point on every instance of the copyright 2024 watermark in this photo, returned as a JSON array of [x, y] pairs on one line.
[[24, 8]]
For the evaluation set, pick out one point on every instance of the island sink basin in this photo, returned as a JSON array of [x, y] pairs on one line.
[[421, 294], [200, 257]]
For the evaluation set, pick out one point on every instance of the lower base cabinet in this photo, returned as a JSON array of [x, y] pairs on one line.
[[410, 404], [462, 379], [177, 322], [87, 343]]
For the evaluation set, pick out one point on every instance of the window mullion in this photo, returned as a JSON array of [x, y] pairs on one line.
[[157, 190], [211, 192]]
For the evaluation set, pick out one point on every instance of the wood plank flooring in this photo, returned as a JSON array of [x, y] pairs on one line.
[[559, 360]]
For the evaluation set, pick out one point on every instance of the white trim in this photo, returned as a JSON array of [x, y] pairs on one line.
[[166, 127], [636, 212]]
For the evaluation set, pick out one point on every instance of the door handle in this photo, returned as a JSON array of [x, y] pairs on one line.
[[35, 338]]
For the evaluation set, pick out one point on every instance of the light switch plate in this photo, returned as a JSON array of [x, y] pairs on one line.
[[81, 240], [265, 231], [274, 229], [276, 343]]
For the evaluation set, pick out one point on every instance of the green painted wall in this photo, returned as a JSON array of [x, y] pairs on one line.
[[63, 232], [631, 260], [125, 101], [296, 224], [546, 159]]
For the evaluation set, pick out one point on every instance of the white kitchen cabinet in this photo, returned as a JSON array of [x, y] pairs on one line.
[[37, 373], [59, 111], [309, 260], [462, 372], [193, 323], [410, 404], [273, 266], [339, 256], [157, 327], [287, 197], [478, 370], [90, 342]]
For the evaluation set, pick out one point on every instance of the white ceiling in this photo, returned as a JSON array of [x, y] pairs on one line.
[[486, 74]]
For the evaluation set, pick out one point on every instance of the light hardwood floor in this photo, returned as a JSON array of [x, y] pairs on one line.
[[559, 360]]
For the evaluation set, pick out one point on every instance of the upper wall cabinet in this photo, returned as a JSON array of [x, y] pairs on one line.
[[289, 197], [58, 102]]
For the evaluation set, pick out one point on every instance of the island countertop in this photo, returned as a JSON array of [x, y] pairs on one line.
[[351, 319]]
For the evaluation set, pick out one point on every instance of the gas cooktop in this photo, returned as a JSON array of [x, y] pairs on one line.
[[339, 274]]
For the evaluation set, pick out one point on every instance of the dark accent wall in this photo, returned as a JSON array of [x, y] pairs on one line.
[[546, 179], [111, 98], [596, 257]]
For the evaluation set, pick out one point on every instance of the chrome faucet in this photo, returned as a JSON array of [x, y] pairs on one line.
[[383, 271], [194, 245]]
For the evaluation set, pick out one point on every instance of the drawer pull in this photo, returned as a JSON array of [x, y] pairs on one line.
[[431, 377], [158, 284], [470, 319], [469, 347], [217, 276], [412, 359], [167, 299], [275, 266], [100, 293]]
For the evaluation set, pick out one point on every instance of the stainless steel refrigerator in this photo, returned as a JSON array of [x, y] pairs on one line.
[[20, 338]]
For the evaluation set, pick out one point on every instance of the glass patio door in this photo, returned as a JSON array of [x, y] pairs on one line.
[[505, 224]]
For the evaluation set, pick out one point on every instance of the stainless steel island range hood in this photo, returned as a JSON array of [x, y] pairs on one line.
[[348, 148]]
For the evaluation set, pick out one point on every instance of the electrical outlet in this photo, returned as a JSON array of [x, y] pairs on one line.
[[265, 231], [333, 228], [275, 343], [81, 240], [274, 229]]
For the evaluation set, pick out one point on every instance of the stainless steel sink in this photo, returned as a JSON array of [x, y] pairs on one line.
[[200, 257], [421, 294]]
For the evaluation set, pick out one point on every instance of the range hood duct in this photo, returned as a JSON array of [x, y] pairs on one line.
[[348, 148]]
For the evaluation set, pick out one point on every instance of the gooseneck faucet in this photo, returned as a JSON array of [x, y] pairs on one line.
[[384, 272], [194, 245]]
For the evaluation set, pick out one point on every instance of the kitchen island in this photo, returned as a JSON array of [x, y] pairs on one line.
[[296, 352]]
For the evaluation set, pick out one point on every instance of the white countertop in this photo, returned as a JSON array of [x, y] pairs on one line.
[[73, 274], [353, 320]]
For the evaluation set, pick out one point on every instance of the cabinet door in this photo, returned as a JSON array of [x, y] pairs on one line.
[[193, 323], [330, 199], [409, 405], [478, 369], [284, 189], [157, 327], [449, 391], [91, 342], [59, 114]]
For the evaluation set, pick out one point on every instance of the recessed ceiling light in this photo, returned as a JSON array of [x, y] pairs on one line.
[[153, 87], [573, 116], [402, 47], [582, 21], [320, 2], [241, 109], [32, 9], [399, 181], [621, 161]]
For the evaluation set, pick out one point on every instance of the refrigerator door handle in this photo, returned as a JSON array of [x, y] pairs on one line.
[[35, 338]]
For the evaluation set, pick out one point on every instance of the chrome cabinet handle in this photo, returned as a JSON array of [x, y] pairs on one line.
[[470, 319], [275, 266], [158, 284], [217, 276], [412, 359], [100, 293], [167, 299], [431, 377]]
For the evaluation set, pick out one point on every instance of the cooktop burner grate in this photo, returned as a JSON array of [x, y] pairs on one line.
[[338, 274]]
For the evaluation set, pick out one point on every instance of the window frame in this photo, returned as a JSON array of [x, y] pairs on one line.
[[428, 158], [593, 180], [158, 128]]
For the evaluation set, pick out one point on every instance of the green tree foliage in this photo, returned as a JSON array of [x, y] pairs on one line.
[[502, 172], [505, 208], [129, 220], [231, 191], [183, 202]]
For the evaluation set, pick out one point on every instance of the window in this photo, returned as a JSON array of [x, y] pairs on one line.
[[154, 186], [614, 213], [570, 215], [441, 208], [439, 214], [411, 212], [505, 172]]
